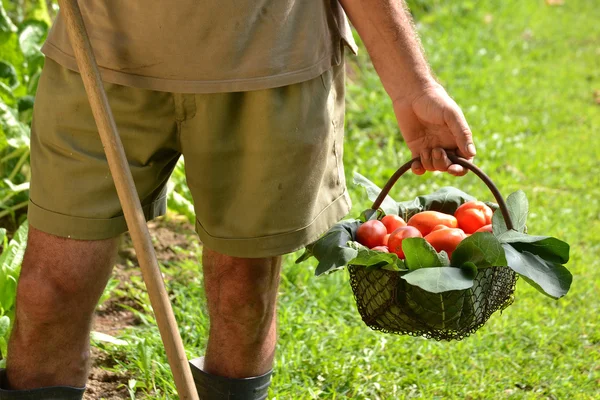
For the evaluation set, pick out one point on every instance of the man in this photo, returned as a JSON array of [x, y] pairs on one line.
[[252, 94]]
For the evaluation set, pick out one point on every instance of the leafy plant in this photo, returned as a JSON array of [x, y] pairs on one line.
[[21, 63], [10, 266]]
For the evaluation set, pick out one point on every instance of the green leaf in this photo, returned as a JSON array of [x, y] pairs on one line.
[[6, 25], [420, 254], [482, 249], [17, 133], [441, 279], [6, 94], [332, 250], [4, 326], [447, 199], [375, 259], [389, 206], [12, 256], [470, 269], [547, 247], [39, 12], [32, 36], [548, 277], [8, 75], [518, 208]]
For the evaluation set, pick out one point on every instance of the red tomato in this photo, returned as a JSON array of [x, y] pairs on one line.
[[383, 249], [473, 215], [371, 233], [396, 238], [425, 221], [385, 239], [485, 228], [392, 222], [445, 239]]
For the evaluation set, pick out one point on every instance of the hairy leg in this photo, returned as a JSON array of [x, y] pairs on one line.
[[59, 287], [242, 298]]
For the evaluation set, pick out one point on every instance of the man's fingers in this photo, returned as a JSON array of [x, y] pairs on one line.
[[440, 160], [457, 170], [462, 133], [427, 160], [417, 168]]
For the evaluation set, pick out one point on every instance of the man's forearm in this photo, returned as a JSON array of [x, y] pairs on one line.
[[386, 28]]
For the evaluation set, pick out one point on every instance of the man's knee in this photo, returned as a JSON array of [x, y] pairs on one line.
[[241, 290], [61, 276]]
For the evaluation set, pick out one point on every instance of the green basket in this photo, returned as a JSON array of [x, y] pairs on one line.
[[388, 303]]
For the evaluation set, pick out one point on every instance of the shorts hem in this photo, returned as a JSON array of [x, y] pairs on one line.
[[82, 228], [282, 243]]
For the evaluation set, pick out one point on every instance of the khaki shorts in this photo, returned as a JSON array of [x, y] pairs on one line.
[[264, 167]]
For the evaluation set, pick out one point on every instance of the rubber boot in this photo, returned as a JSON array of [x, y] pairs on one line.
[[46, 393], [213, 387]]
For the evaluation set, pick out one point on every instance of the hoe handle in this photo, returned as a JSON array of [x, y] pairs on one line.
[[132, 209]]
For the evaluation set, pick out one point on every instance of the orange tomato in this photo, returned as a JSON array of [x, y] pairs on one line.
[[473, 215], [392, 222], [396, 238], [425, 221], [371, 233], [385, 239], [446, 239], [383, 249], [485, 228]]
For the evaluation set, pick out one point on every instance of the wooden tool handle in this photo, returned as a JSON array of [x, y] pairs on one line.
[[136, 222]]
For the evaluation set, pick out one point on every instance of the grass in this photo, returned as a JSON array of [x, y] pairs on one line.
[[524, 74]]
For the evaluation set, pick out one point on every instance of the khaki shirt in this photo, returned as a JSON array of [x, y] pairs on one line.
[[189, 46]]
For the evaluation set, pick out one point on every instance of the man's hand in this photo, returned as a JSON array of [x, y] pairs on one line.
[[429, 119], [431, 123]]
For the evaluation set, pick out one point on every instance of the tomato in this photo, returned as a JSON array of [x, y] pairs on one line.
[[392, 222], [425, 221], [371, 233], [445, 239], [396, 238], [485, 228], [473, 215], [385, 239], [383, 249]]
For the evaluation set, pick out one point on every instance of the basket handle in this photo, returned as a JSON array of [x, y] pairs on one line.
[[456, 160]]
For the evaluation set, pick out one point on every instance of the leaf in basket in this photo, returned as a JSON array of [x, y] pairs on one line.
[[370, 214], [332, 250], [447, 199], [389, 206], [420, 254], [547, 247], [482, 249], [548, 277], [375, 259], [441, 279], [518, 208]]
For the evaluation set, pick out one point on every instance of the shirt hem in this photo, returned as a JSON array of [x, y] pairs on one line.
[[194, 86]]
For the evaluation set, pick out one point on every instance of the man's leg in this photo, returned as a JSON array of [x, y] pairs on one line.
[[242, 297], [59, 287]]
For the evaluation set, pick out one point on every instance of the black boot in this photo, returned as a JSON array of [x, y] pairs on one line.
[[47, 393], [212, 387]]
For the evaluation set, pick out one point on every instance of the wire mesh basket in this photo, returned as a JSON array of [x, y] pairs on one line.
[[388, 303]]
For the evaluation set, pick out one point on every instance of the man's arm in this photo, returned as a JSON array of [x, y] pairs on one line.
[[430, 121]]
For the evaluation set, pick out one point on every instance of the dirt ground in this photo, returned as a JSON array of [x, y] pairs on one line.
[[111, 318]]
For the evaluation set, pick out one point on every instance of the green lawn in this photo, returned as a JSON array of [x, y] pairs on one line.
[[525, 75]]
